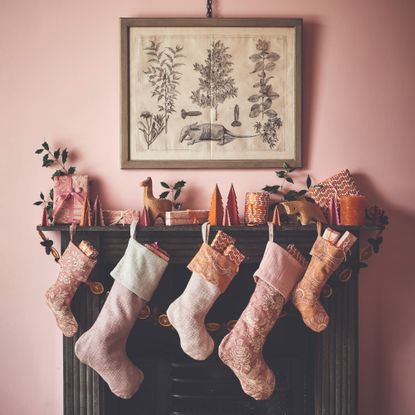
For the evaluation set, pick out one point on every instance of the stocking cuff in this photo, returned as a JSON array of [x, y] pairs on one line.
[[331, 255], [213, 267], [139, 270], [74, 261], [279, 269]]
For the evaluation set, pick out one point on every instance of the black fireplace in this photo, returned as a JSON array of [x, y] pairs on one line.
[[316, 373]]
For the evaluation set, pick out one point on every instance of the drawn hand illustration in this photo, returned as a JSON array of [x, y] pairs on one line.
[[196, 133]]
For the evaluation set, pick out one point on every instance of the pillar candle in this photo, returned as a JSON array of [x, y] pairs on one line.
[[352, 210]]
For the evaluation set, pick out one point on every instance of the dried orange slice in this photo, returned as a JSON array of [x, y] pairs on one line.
[[366, 253], [144, 313], [164, 320], [212, 326], [96, 287], [345, 275], [230, 324], [327, 291]]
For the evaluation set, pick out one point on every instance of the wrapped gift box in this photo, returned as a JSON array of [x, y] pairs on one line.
[[120, 217], [69, 193], [186, 217], [341, 184]]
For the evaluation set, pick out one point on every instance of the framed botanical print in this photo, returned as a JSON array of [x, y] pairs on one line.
[[211, 93]]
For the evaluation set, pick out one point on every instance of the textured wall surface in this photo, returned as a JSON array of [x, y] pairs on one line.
[[59, 81]]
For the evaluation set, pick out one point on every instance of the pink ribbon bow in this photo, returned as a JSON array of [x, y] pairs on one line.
[[70, 194]]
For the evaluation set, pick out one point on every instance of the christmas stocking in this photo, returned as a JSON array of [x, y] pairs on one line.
[[103, 346], [76, 266], [326, 258], [241, 349], [212, 273]]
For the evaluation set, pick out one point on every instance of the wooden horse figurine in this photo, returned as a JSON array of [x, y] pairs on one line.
[[157, 208]]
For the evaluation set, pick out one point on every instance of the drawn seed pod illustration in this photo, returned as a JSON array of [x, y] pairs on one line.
[[236, 122]]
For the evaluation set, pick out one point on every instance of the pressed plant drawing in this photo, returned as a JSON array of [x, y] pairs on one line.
[[215, 83], [262, 101], [151, 126], [163, 75]]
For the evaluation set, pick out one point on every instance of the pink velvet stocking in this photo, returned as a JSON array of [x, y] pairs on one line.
[[241, 349], [103, 346]]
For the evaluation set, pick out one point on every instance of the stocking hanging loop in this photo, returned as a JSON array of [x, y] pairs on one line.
[[72, 230], [270, 231], [133, 227], [205, 232]]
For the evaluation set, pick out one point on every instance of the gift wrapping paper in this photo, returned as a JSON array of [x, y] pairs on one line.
[[234, 254], [341, 184], [120, 217], [186, 217], [221, 241], [69, 193], [331, 235], [346, 241]]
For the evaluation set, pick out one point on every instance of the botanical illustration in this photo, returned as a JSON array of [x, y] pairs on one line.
[[264, 61], [163, 75], [200, 94], [215, 82]]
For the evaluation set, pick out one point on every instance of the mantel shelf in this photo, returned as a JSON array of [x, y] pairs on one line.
[[196, 228]]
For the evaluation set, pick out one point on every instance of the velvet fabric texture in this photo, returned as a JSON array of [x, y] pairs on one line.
[[75, 269], [241, 349], [102, 347]]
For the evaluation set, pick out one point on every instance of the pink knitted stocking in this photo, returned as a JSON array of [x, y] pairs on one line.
[[75, 269], [241, 349]]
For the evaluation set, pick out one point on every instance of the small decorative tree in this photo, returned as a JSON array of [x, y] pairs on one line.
[[215, 84], [216, 208], [232, 207]]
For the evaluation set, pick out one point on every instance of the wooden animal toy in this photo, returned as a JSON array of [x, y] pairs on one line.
[[156, 208], [305, 210]]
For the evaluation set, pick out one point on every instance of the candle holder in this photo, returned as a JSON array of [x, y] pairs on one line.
[[352, 210]]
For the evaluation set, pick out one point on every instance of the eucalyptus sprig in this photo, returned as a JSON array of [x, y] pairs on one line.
[[51, 158], [284, 174], [174, 192]]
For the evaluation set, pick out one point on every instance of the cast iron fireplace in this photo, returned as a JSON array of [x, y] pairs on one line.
[[316, 373]]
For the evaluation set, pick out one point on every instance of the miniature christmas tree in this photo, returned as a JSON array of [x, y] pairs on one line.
[[333, 212], [98, 214], [276, 216], [232, 207], [144, 218], [216, 208], [44, 218], [85, 219]]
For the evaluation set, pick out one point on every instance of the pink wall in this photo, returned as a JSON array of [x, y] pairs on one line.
[[59, 80]]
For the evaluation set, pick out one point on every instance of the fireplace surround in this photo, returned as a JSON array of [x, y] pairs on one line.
[[316, 373]]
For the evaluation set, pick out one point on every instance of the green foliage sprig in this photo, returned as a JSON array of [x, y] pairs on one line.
[[174, 192], [163, 76], [51, 158], [290, 195]]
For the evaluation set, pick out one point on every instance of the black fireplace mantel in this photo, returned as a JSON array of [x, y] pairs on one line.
[[317, 372]]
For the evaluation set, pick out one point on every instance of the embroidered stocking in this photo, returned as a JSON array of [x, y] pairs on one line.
[[241, 349], [212, 273], [326, 258], [102, 347], [76, 267]]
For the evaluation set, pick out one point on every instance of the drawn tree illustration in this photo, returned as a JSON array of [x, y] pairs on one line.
[[215, 82], [164, 77], [262, 101]]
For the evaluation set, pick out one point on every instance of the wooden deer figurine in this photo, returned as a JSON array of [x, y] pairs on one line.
[[156, 208]]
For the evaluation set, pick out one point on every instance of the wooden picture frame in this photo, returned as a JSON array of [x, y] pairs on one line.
[[255, 70]]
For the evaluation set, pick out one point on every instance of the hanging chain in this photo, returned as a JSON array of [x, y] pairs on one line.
[[209, 8]]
